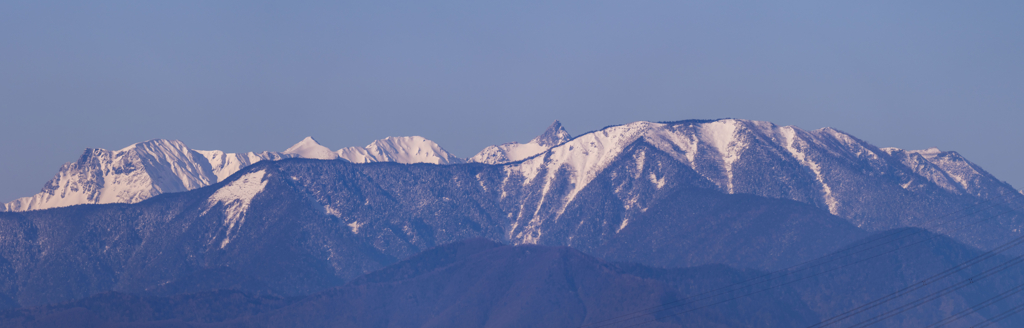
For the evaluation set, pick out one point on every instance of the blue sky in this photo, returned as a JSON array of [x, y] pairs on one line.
[[254, 76]]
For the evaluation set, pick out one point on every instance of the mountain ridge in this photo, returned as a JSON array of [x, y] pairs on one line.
[[826, 168], [149, 168]]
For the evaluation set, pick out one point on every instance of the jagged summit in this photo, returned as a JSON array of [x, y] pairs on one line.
[[553, 136], [310, 148]]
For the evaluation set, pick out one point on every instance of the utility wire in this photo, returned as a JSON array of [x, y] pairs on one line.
[[790, 270], [653, 310], [976, 307], [780, 285], [939, 293], [1001, 316], [920, 284]]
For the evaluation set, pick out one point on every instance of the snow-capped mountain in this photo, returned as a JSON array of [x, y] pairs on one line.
[[736, 192], [146, 169], [826, 168], [135, 173], [512, 152], [310, 148], [875, 189], [408, 150]]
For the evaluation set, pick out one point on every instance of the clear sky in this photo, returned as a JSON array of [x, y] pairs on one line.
[[254, 76]]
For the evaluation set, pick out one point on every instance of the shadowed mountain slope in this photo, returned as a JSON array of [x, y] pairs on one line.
[[479, 283], [299, 226]]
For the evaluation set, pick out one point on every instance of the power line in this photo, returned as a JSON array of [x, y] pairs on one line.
[[780, 285], [790, 270], [976, 307], [652, 310], [747, 283], [939, 293], [1002, 316], [920, 284]]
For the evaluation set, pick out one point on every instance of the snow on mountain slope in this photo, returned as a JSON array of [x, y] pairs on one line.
[[586, 155], [514, 151], [962, 171], [226, 164], [236, 197], [583, 158], [950, 170], [920, 163], [826, 168], [407, 150]]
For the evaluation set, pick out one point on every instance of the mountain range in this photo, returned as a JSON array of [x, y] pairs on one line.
[[869, 186], [153, 167], [663, 207]]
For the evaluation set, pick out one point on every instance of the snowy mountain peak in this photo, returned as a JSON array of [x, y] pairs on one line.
[[310, 148], [555, 135], [407, 150], [513, 151]]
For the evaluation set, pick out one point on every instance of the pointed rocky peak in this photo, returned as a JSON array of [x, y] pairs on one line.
[[553, 136], [513, 151], [310, 148]]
